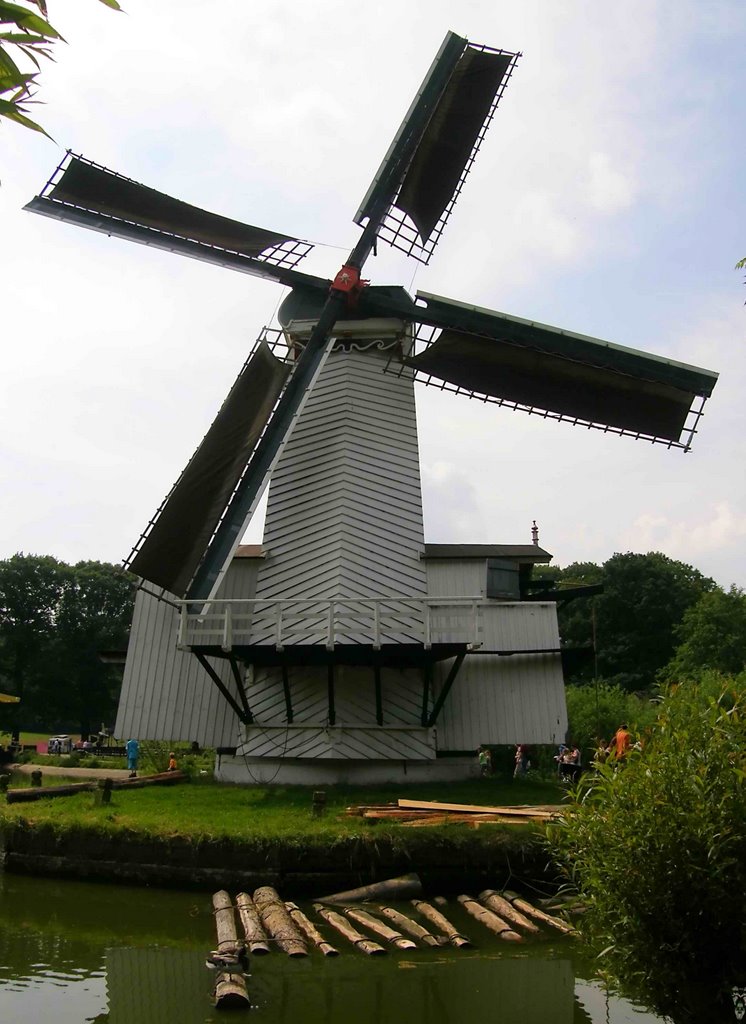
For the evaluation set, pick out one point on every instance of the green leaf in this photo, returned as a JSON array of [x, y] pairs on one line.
[[26, 122], [111, 3]]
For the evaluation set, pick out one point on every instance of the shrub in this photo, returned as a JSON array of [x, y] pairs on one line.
[[657, 848], [596, 710]]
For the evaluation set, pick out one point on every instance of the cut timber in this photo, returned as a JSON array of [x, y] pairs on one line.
[[401, 888], [489, 919], [379, 928], [310, 929], [344, 927], [256, 938], [539, 915], [540, 813], [495, 902], [278, 923], [230, 987], [409, 926], [442, 923]]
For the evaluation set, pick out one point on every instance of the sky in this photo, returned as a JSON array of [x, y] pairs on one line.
[[607, 199]]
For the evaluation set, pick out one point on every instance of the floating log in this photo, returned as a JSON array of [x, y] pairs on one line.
[[408, 925], [379, 928], [278, 923], [309, 929], [542, 813], [538, 915], [256, 938], [401, 888], [505, 909], [344, 927], [489, 919], [442, 923], [230, 986], [225, 923]]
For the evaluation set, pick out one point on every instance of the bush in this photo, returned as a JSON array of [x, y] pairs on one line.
[[596, 710], [657, 849]]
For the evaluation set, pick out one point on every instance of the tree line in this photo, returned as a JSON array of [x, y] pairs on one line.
[[658, 622], [55, 621]]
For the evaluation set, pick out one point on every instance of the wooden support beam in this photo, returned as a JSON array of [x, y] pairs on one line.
[[427, 682], [286, 691], [240, 686], [450, 678], [379, 695], [222, 687], [330, 692]]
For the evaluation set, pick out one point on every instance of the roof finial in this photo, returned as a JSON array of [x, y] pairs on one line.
[[535, 533]]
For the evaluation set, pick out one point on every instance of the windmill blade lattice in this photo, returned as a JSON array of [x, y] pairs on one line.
[[426, 166], [89, 195], [556, 373]]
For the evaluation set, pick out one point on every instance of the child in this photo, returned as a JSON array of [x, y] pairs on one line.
[[172, 762]]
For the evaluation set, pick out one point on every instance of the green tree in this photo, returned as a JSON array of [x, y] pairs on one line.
[[30, 591], [54, 621], [634, 621], [711, 635], [657, 850], [25, 37], [94, 615]]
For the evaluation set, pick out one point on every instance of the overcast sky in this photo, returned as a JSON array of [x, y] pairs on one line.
[[608, 199]]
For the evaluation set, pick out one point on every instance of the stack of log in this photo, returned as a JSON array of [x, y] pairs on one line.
[[267, 921], [418, 813]]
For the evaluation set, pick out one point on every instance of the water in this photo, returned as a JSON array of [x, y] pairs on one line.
[[73, 952]]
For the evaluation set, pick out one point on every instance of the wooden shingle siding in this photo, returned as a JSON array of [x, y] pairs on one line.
[[340, 743], [166, 694], [344, 516], [514, 699]]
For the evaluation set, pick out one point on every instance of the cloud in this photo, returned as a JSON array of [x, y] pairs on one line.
[[609, 188], [692, 537]]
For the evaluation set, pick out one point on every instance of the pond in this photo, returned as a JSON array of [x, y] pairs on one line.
[[75, 952]]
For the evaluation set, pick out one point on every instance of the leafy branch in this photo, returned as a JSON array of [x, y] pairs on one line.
[[25, 38]]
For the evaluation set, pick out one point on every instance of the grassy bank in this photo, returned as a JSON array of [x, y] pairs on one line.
[[205, 810]]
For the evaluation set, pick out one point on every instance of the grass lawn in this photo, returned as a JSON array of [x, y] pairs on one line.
[[204, 810]]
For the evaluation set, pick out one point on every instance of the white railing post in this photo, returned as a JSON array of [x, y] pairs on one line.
[[183, 616], [428, 638], [376, 625], [475, 613], [227, 628], [278, 631]]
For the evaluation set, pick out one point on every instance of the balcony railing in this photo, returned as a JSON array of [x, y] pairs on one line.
[[312, 621]]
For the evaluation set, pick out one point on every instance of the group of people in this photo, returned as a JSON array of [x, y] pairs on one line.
[[522, 760], [568, 761], [132, 749]]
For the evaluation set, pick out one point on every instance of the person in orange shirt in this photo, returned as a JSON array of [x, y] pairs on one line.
[[172, 762], [621, 743]]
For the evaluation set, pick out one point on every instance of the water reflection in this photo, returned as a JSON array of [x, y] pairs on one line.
[[71, 952]]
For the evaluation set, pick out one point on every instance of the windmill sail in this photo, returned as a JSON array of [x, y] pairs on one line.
[[95, 197], [573, 376], [427, 163], [176, 543]]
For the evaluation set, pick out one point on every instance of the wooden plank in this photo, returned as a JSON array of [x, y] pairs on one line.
[[435, 805]]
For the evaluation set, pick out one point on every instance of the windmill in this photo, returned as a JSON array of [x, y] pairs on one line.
[[345, 593]]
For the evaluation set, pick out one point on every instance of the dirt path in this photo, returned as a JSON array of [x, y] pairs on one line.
[[72, 773]]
